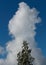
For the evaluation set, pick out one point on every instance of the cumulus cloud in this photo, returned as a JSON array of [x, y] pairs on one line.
[[22, 27], [1, 50]]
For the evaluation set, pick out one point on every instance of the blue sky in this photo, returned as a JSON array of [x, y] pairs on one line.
[[8, 9]]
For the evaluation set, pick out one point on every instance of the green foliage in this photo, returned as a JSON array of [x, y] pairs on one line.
[[24, 57]]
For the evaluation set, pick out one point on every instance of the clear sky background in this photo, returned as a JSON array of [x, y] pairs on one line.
[[8, 9]]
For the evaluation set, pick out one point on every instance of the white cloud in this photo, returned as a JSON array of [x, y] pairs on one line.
[[22, 27], [2, 50]]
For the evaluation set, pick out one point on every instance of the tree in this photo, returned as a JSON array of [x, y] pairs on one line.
[[24, 57]]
